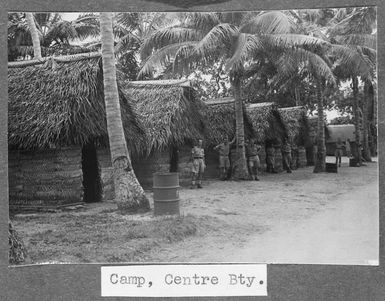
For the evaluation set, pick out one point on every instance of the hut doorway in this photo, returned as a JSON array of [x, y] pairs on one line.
[[92, 184]]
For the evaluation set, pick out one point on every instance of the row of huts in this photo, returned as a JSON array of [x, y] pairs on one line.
[[58, 141]]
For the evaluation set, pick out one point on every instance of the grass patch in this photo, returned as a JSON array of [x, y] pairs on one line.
[[104, 236]]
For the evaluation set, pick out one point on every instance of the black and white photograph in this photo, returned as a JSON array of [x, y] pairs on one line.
[[193, 137]]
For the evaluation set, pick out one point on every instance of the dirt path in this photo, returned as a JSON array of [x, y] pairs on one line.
[[345, 233], [286, 218]]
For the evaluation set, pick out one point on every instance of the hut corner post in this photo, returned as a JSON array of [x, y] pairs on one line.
[[320, 164], [240, 170]]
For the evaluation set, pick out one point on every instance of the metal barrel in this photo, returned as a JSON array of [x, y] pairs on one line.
[[166, 193], [331, 167]]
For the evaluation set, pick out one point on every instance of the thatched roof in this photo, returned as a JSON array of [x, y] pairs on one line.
[[169, 110], [296, 124], [267, 122], [220, 118], [62, 105]]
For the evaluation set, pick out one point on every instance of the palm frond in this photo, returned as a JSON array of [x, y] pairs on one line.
[[367, 40], [162, 57], [62, 31], [202, 20], [273, 22], [294, 58], [220, 35], [353, 61], [168, 35], [84, 31], [128, 20], [244, 45], [128, 42], [293, 40], [358, 21], [185, 59]]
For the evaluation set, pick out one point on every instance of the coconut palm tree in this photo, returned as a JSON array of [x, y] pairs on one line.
[[236, 40], [307, 62], [129, 195], [55, 34], [34, 35], [354, 39], [17, 250]]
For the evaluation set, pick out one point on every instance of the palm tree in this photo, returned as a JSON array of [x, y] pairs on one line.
[[129, 195], [17, 250], [34, 35], [354, 45], [236, 40], [55, 34]]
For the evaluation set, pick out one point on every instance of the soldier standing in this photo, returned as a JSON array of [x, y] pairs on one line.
[[198, 164], [224, 161], [252, 154], [338, 152]]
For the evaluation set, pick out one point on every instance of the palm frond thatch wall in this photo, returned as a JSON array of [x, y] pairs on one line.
[[296, 124], [267, 122], [220, 118], [61, 105], [170, 112]]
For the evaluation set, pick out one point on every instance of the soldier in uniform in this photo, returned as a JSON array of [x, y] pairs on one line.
[[224, 161], [338, 152], [198, 164], [252, 154]]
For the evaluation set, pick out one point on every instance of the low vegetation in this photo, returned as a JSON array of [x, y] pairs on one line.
[[105, 236]]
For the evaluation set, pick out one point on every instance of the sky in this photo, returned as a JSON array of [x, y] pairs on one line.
[[70, 16]]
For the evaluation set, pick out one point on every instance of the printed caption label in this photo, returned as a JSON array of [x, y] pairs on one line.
[[184, 280]]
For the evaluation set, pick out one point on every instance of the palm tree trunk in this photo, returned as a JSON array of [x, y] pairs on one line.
[[372, 120], [240, 165], [320, 164], [365, 122], [129, 195], [297, 96], [17, 252], [34, 35], [356, 120]]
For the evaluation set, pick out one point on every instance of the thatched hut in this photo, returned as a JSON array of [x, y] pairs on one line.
[[56, 119], [297, 126], [220, 119], [58, 140], [171, 115], [269, 128]]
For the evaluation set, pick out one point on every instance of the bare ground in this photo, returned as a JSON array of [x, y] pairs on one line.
[[285, 218]]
